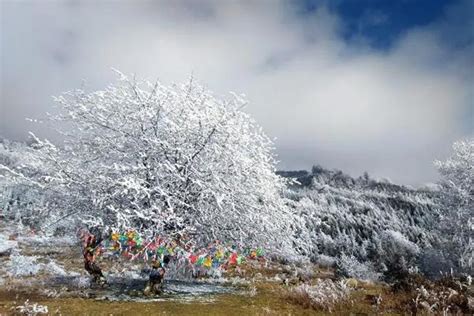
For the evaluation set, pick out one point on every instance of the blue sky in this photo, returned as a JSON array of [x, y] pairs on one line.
[[383, 22], [379, 86], [380, 21]]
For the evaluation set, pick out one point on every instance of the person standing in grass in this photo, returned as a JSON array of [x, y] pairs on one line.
[[90, 249]]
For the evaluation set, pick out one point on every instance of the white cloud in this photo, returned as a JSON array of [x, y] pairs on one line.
[[329, 102]]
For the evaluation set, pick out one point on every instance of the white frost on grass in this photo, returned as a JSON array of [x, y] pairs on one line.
[[324, 295], [31, 309], [223, 280]]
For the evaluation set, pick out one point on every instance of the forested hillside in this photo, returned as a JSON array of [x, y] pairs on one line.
[[369, 228]]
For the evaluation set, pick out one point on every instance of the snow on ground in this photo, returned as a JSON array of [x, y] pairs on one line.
[[20, 265], [43, 240], [17, 264]]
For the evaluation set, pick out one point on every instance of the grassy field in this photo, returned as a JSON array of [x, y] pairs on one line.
[[268, 299], [263, 289], [259, 297]]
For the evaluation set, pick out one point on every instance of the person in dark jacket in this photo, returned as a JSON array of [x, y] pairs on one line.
[[155, 282]]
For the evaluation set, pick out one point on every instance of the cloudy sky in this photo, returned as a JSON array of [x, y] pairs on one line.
[[377, 86]]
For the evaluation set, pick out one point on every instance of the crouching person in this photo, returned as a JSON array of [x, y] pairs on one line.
[[154, 285]]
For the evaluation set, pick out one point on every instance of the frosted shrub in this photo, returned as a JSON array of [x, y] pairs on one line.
[[7, 246], [443, 300], [394, 241], [398, 255], [326, 261], [325, 295], [349, 266]]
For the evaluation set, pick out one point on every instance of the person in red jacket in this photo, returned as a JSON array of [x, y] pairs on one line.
[[89, 252]]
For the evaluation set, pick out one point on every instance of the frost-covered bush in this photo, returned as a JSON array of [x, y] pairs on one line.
[[326, 261], [397, 256], [325, 295], [19, 197], [349, 266], [447, 296]]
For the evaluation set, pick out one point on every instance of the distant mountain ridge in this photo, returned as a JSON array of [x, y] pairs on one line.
[[339, 178]]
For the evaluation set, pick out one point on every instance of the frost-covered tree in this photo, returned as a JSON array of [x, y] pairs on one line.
[[19, 197], [457, 174], [162, 159]]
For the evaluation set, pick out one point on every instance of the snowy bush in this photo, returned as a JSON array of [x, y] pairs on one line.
[[349, 266], [398, 255], [326, 261], [445, 297], [325, 295]]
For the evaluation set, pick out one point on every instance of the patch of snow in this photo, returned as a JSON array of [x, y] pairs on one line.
[[43, 240], [222, 280], [82, 282], [55, 269], [20, 265], [127, 274], [23, 265]]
